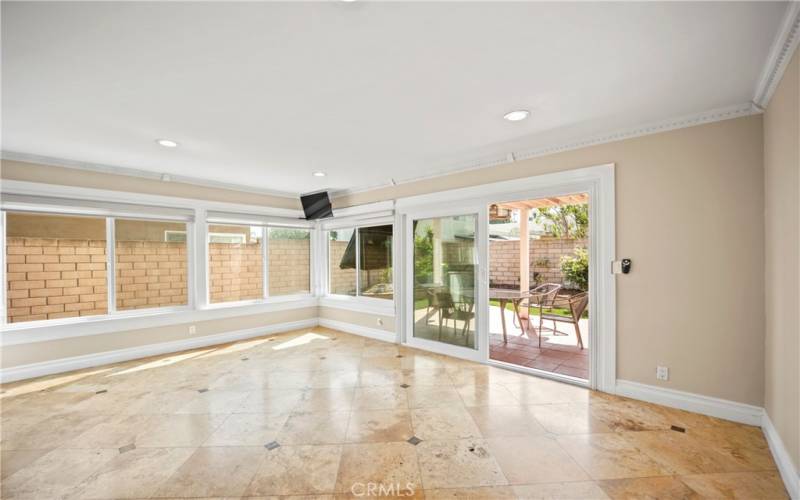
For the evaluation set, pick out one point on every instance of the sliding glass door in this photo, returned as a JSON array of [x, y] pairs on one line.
[[444, 276]]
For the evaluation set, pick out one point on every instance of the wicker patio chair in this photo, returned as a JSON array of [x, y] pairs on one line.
[[576, 304]]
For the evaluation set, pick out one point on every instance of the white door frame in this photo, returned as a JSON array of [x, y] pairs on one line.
[[598, 181]]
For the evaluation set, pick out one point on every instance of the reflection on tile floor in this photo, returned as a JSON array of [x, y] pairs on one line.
[[322, 413], [559, 353]]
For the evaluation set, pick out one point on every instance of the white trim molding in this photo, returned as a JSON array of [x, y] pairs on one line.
[[103, 358], [786, 467], [105, 195], [707, 405], [363, 331], [780, 54]]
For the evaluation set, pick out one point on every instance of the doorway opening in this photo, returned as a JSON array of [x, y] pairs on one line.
[[539, 285]]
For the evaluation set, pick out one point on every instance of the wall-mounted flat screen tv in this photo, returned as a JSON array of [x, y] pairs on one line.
[[317, 205]]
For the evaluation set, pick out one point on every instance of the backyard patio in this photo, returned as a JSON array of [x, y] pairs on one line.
[[558, 354]]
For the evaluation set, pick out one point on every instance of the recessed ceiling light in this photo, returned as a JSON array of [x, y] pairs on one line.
[[167, 143], [517, 115], [319, 174]]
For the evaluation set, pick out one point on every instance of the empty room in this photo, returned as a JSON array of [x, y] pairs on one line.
[[375, 249]]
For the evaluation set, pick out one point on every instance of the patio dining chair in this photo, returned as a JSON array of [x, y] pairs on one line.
[[541, 297], [460, 302], [576, 304]]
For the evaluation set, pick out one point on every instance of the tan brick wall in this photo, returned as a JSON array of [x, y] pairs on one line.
[[235, 271], [342, 281], [59, 278], [545, 260], [150, 274], [289, 266], [55, 278]]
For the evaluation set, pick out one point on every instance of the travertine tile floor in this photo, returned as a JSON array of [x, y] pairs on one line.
[[325, 414]]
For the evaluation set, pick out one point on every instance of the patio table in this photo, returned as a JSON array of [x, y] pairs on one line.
[[504, 296]]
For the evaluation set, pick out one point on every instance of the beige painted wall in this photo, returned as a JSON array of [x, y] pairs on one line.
[[22, 354], [782, 229], [31, 172], [357, 318], [689, 207]]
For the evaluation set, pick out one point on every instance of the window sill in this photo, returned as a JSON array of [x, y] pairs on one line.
[[41, 331], [383, 307], [279, 299]]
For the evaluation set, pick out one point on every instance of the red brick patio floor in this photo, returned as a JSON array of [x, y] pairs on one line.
[[558, 354]]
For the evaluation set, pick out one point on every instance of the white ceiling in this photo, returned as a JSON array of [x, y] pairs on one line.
[[263, 94]]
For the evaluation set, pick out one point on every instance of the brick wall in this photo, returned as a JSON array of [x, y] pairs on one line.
[[150, 274], [235, 271], [55, 278], [545, 260], [60, 278], [342, 281], [289, 266]]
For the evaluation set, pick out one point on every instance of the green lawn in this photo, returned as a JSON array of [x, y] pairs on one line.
[[535, 312], [423, 303]]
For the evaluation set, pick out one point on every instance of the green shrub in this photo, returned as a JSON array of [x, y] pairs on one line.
[[576, 269]]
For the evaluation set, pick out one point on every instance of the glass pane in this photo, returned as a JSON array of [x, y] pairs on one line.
[[235, 263], [56, 266], [150, 264], [289, 261], [444, 279], [342, 261], [375, 261]]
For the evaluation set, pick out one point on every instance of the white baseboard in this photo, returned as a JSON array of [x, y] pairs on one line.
[[707, 405], [102, 358], [364, 331], [789, 473]]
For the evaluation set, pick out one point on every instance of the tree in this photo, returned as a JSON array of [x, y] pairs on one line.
[[564, 221], [423, 255], [575, 269]]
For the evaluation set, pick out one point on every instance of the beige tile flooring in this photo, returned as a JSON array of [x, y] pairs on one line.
[[323, 414]]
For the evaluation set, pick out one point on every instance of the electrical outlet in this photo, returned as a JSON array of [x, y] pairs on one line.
[[192, 330], [662, 373], [380, 321]]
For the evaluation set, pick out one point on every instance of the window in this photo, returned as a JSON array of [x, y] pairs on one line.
[[175, 236], [57, 263], [342, 273], [150, 268], [289, 252], [360, 262], [55, 266], [375, 261], [235, 263]]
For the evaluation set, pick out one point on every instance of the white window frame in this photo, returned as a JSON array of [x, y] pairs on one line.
[[264, 269], [111, 293], [358, 302], [266, 298], [198, 307]]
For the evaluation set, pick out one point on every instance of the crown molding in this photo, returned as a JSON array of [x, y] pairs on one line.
[[780, 54], [142, 174], [715, 115]]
